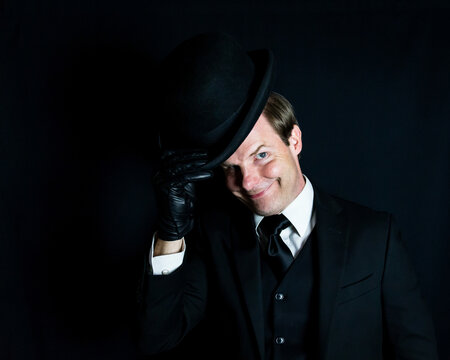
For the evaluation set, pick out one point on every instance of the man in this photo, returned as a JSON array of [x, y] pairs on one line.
[[278, 270]]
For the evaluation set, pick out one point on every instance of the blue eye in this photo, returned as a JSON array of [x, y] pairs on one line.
[[261, 155]]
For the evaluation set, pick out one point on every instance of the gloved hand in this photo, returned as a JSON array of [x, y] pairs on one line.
[[175, 191]]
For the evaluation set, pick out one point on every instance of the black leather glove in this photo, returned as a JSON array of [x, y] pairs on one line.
[[175, 191]]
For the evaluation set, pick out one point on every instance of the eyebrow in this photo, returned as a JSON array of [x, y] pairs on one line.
[[225, 164], [257, 149]]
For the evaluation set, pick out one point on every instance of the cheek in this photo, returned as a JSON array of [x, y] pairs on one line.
[[272, 170]]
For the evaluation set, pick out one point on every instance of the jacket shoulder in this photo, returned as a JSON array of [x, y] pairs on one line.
[[352, 210]]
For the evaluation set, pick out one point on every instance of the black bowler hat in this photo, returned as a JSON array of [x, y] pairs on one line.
[[210, 94]]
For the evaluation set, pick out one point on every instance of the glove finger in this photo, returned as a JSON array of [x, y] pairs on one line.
[[176, 178], [184, 168], [197, 176], [183, 179], [171, 157], [171, 174]]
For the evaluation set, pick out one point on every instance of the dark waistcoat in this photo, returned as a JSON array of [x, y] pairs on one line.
[[290, 307]]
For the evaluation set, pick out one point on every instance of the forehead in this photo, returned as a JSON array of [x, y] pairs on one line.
[[262, 134]]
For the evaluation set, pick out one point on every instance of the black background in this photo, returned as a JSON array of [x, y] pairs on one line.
[[370, 85]]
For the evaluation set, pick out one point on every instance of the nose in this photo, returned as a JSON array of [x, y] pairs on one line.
[[250, 178]]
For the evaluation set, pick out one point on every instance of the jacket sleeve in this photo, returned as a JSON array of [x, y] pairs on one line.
[[409, 328], [171, 305]]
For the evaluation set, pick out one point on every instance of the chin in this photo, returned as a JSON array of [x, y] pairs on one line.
[[270, 209], [268, 212], [261, 207]]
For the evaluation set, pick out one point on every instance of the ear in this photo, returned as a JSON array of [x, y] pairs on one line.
[[295, 140]]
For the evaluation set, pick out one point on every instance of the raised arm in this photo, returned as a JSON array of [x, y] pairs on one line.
[[169, 308]]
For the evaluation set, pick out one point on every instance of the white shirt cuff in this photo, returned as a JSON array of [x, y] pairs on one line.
[[165, 264]]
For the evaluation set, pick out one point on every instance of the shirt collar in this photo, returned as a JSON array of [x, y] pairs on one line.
[[299, 211]]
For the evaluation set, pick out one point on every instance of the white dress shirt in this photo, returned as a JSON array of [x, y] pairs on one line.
[[302, 218], [165, 264], [299, 212]]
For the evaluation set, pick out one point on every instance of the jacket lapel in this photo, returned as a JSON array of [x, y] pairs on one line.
[[332, 249], [247, 260]]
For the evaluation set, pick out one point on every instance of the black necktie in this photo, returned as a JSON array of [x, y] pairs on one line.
[[278, 254]]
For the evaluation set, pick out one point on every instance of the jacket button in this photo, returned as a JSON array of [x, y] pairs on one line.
[[279, 340], [279, 296]]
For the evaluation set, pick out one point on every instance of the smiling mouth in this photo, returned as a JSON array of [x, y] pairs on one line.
[[260, 194]]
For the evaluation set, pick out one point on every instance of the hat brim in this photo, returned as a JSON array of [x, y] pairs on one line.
[[264, 62]]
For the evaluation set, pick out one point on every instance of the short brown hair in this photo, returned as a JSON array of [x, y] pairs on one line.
[[280, 114]]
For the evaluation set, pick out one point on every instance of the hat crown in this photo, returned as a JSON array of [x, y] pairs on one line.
[[210, 94], [205, 81]]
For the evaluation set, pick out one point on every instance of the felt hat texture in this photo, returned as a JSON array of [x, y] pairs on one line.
[[211, 92]]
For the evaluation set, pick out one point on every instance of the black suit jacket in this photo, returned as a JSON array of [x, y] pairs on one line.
[[370, 305]]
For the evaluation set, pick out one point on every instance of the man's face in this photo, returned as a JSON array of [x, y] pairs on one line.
[[264, 172]]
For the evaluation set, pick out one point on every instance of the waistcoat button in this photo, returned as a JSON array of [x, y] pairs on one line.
[[279, 296], [279, 340]]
